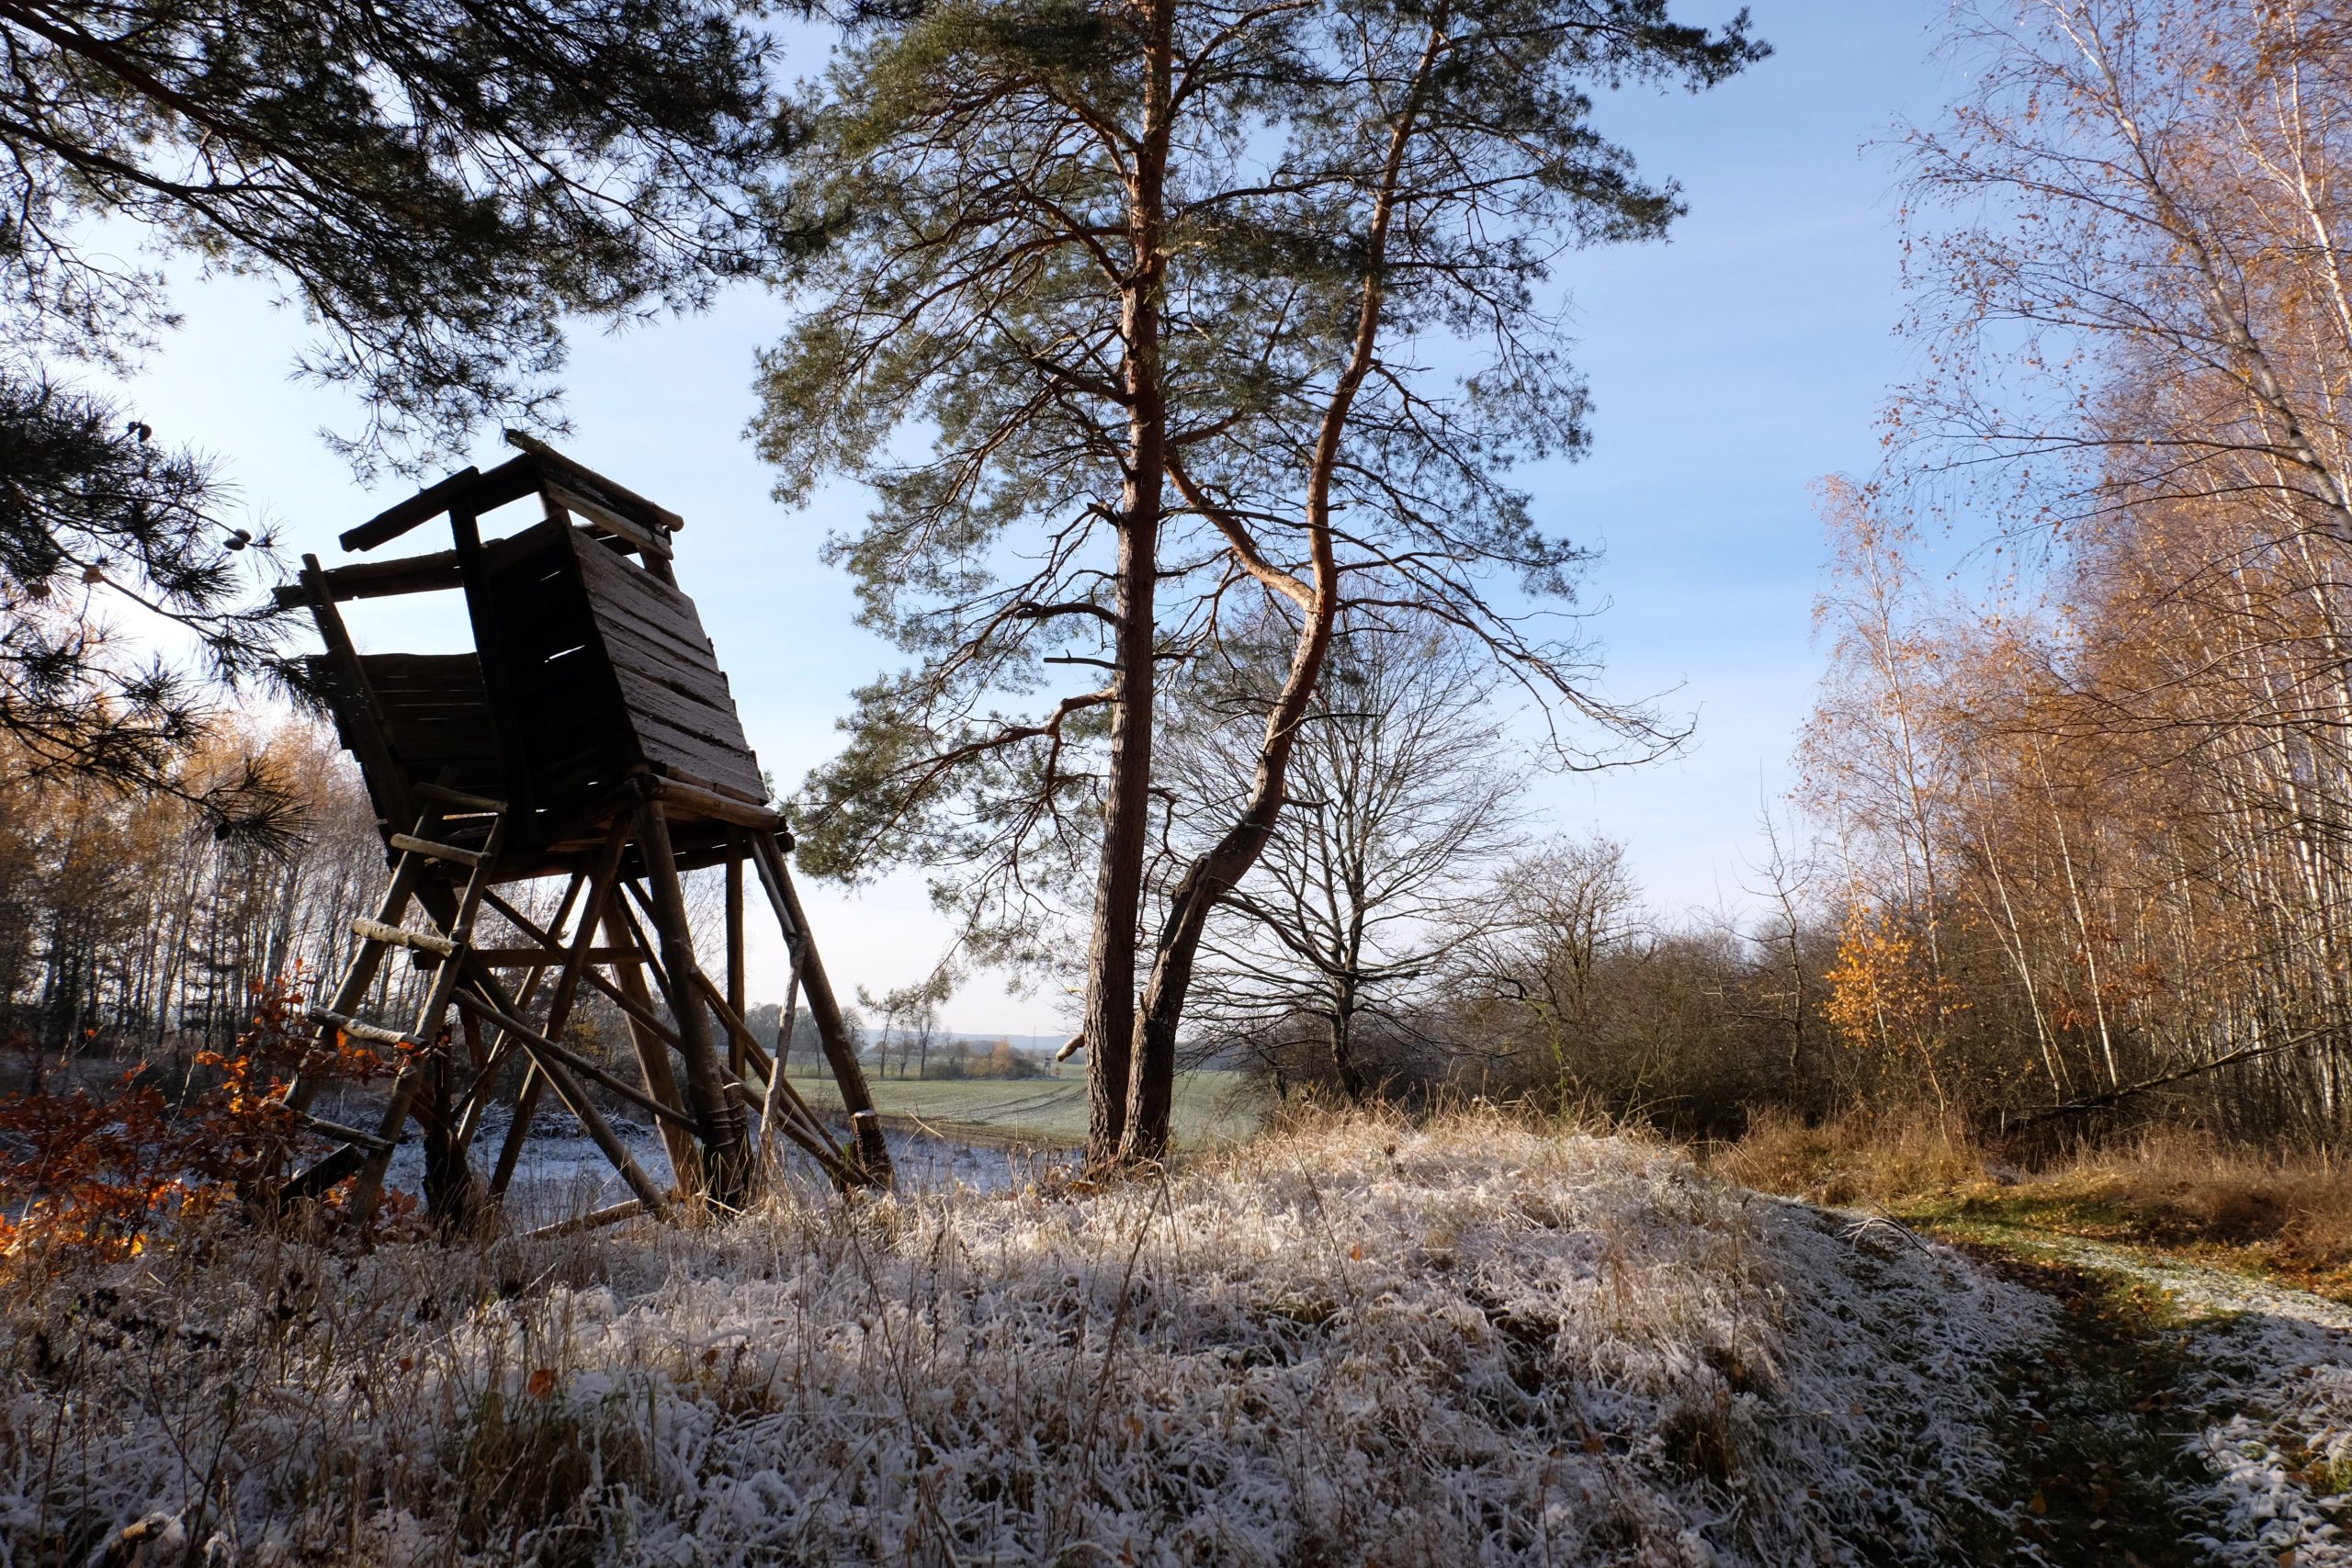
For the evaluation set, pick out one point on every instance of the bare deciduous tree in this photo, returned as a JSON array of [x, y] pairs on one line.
[[1559, 912], [1403, 794]]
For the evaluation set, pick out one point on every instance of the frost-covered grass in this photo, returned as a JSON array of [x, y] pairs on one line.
[[2245, 1255], [1357, 1343], [2261, 1397]]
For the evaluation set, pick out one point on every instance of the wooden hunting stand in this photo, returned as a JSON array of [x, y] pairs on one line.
[[590, 735]]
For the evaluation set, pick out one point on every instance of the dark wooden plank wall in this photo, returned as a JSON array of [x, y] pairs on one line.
[[668, 673], [574, 727], [436, 709], [433, 713]]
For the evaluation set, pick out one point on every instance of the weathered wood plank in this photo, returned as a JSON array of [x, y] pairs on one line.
[[647, 539], [653, 597], [451, 738], [661, 660], [422, 667], [533, 957], [617, 615], [422, 507], [692, 797], [389, 579], [734, 772], [468, 488], [613, 584], [714, 724], [614, 493]]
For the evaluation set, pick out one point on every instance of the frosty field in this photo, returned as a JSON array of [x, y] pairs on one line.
[[1356, 1344]]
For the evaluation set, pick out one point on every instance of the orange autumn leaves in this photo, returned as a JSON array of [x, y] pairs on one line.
[[82, 1173]]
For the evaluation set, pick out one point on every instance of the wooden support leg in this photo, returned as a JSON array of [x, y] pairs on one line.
[[455, 911], [849, 1074], [653, 1057], [727, 1169], [735, 979], [642, 1011], [451, 1194], [519, 1131], [567, 987], [782, 1059], [485, 1082], [576, 1101], [783, 1111]]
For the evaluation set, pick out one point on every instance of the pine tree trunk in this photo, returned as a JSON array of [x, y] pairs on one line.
[[1152, 1077], [1126, 808]]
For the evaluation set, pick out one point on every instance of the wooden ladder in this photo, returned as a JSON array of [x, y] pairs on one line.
[[422, 858]]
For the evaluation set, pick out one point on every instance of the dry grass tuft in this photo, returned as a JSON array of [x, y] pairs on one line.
[[2182, 1190], [2185, 1188], [1854, 1159]]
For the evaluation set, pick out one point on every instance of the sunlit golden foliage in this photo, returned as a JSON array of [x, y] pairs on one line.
[[83, 1172]]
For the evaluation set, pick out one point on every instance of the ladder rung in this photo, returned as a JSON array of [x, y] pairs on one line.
[[337, 1131], [358, 1030], [408, 843], [377, 931], [445, 795]]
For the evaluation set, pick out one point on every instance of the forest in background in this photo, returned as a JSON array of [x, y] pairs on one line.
[[2076, 800], [2070, 845]]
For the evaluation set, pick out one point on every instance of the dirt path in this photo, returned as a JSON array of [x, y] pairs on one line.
[[2191, 1413]]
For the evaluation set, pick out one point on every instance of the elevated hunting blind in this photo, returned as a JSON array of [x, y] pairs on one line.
[[590, 735]]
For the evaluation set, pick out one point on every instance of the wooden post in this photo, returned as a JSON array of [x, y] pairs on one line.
[[575, 1100], [653, 1057], [451, 1193], [735, 948], [486, 1083], [849, 1074], [566, 987], [777, 1086], [728, 1171], [368, 741]]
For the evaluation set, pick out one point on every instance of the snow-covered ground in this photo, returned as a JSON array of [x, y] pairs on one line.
[[1468, 1343]]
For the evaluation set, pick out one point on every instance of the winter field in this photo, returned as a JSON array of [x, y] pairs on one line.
[[1347, 1344], [1212, 1105]]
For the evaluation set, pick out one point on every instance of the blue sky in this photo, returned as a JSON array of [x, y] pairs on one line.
[[1729, 368]]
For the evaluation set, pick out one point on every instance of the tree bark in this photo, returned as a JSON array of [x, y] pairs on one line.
[[1152, 1089], [1152, 1074], [1126, 808], [1343, 1051]]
